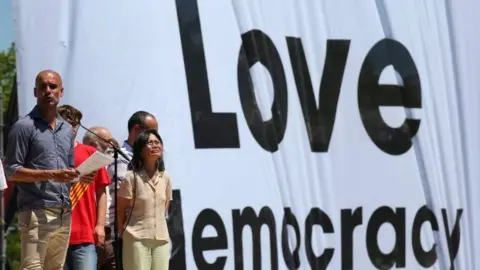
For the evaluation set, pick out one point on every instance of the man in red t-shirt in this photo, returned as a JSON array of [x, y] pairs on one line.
[[89, 205]]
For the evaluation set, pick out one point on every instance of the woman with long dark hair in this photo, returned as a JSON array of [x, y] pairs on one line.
[[143, 200]]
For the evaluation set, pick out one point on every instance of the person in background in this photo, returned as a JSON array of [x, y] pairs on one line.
[[89, 204], [146, 192], [105, 253], [3, 180], [39, 158], [3, 188], [138, 122], [9, 197], [99, 144]]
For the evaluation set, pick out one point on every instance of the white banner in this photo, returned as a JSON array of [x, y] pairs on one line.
[[299, 134]]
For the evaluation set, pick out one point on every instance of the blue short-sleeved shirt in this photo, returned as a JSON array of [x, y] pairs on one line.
[[33, 144]]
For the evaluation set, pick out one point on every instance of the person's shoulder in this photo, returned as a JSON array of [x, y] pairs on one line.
[[86, 148], [121, 159], [23, 125], [24, 122], [126, 152], [129, 175], [166, 175]]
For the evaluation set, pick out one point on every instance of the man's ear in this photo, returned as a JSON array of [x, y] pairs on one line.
[[137, 128]]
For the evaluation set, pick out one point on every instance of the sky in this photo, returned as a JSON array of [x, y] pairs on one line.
[[6, 24]]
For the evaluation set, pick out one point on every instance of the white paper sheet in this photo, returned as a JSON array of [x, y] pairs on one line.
[[93, 163]]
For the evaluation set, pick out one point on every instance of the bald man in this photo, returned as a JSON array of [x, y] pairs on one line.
[[105, 253], [99, 144], [40, 160]]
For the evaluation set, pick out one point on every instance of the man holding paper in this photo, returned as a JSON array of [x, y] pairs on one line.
[[89, 201], [39, 158]]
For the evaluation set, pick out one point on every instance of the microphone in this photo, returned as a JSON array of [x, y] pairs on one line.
[[114, 147]]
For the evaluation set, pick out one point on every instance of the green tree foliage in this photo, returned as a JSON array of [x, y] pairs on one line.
[[7, 74], [13, 246]]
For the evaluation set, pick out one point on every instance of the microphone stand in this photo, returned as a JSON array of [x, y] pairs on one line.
[[116, 152]]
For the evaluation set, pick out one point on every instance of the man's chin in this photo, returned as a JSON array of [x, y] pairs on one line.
[[49, 103]]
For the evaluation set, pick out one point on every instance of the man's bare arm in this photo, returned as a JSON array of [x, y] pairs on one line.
[[101, 206], [31, 176]]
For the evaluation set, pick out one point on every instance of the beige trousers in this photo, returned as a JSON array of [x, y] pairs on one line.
[[44, 237], [144, 254]]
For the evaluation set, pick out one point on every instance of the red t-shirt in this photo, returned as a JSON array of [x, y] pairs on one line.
[[83, 200]]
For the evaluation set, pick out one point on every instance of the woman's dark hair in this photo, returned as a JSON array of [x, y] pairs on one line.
[[140, 142]]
